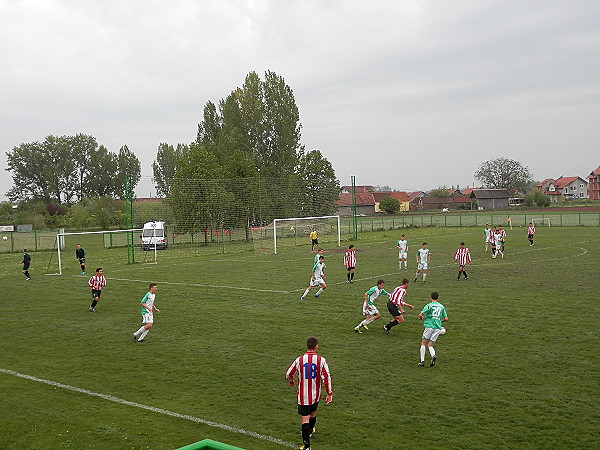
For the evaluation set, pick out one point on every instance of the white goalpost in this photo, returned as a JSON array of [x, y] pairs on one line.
[[543, 221], [320, 223], [60, 242]]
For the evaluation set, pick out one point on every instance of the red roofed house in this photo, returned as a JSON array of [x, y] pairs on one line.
[[402, 198], [468, 191], [543, 186], [567, 187], [365, 204], [415, 196], [594, 184]]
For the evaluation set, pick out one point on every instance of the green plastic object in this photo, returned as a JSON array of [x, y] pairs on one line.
[[209, 444]]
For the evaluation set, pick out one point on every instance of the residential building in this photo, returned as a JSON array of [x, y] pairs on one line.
[[594, 184], [402, 198], [365, 204], [489, 199], [542, 186], [568, 188]]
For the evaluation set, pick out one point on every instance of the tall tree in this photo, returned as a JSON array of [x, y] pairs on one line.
[[29, 165], [127, 163], [321, 187], [164, 167], [503, 173]]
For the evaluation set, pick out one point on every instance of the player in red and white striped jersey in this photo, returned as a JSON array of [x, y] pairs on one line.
[[311, 370], [394, 306], [350, 262], [530, 233], [97, 282], [463, 257]]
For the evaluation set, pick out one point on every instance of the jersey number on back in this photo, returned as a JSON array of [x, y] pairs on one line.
[[310, 371]]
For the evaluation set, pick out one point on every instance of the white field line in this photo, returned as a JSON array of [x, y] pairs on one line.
[[111, 398], [175, 283]]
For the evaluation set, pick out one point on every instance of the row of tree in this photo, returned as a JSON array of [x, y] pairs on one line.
[[67, 169]]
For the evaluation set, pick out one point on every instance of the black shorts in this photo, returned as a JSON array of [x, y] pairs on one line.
[[530, 236], [81, 260], [305, 410], [315, 242], [96, 293], [26, 266], [393, 309], [349, 268]]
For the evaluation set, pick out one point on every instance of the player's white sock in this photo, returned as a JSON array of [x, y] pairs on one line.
[[372, 319], [405, 264], [432, 352], [305, 293], [424, 276], [143, 335], [422, 352], [138, 332], [319, 291], [363, 323]]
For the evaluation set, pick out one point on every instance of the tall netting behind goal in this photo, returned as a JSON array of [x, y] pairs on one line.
[[287, 233], [228, 215]]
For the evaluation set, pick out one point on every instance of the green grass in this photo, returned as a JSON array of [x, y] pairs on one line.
[[517, 368]]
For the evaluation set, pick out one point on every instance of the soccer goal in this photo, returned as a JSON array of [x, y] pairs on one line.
[[545, 221], [296, 231], [89, 240]]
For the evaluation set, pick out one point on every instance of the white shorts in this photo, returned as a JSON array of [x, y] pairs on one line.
[[431, 334], [487, 239], [370, 310], [422, 266], [148, 318], [317, 282], [402, 255]]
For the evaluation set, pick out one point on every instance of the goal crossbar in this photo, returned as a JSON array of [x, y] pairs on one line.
[[275, 221], [60, 235]]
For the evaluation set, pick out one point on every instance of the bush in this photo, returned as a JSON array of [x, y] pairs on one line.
[[389, 204]]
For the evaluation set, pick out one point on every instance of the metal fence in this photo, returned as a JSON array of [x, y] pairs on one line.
[[235, 239], [385, 222]]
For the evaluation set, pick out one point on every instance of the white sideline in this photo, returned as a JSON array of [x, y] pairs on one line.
[[239, 288], [153, 409]]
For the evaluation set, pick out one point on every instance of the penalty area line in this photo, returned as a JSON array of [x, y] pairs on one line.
[[111, 398]]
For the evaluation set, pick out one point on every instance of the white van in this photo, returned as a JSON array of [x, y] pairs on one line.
[[154, 236]]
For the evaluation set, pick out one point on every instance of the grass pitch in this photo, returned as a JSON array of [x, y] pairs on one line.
[[517, 368]]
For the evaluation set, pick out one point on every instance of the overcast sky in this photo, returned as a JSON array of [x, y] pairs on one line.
[[410, 94]]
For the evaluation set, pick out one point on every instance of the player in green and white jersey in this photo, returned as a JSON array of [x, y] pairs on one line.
[[402, 246], [370, 312], [317, 278], [148, 307], [320, 252], [432, 315], [487, 236], [422, 261]]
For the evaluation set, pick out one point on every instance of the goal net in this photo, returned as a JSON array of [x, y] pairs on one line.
[[545, 221], [296, 231], [100, 247]]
